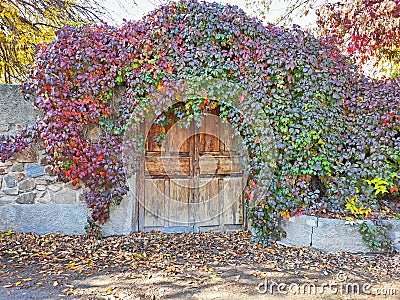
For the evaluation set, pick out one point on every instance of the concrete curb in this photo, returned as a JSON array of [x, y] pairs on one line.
[[331, 235]]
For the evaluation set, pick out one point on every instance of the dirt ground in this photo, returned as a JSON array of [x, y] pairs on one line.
[[187, 266]]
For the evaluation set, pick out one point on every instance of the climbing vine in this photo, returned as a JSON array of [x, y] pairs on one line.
[[300, 107]]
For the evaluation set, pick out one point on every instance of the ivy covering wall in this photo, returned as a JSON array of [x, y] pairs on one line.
[[335, 132]]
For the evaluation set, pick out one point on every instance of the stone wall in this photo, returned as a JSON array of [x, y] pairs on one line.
[[28, 187], [26, 179], [31, 197]]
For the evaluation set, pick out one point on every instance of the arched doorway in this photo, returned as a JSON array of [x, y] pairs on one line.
[[191, 177]]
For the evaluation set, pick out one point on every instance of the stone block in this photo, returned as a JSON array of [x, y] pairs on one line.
[[77, 186], [311, 222], [17, 167], [14, 108], [41, 187], [7, 200], [10, 191], [43, 197], [63, 218], [44, 161], [331, 235], [298, 230], [20, 175], [394, 233], [81, 197], [120, 221], [10, 180], [9, 162], [44, 218], [26, 198], [54, 187], [27, 185], [7, 217], [4, 127], [28, 155], [65, 196], [334, 235], [41, 181], [20, 127], [34, 170], [51, 179]]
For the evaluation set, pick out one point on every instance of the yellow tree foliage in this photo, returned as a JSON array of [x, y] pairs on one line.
[[389, 64], [26, 23]]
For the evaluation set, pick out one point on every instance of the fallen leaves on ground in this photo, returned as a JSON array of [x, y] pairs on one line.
[[30, 259]]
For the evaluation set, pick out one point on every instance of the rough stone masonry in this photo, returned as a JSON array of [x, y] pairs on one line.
[[31, 198]]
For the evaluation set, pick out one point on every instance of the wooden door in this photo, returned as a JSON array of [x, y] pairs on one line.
[[191, 179]]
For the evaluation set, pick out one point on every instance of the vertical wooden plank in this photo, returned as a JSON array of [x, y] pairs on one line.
[[178, 202], [222, 136], [221, 186], [213, 130], [154, 203], [178, 140], [209, 134], [226, 134], [232, 201], [208, 211]]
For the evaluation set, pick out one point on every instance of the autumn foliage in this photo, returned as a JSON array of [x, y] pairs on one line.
[[25, 24], [365, 29], [333, 129]]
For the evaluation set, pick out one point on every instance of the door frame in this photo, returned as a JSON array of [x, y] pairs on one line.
[[194, 195]]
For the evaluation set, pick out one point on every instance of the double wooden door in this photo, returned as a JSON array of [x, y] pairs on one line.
[[191, 178]]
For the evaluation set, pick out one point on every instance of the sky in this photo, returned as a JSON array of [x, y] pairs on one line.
[[127, 9]]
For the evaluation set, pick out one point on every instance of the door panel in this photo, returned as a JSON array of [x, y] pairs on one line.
[[232, 209], [177, 141], [167, 166], [178, 201], [155, 202], [220, 165], [193, 180], [208, 206]]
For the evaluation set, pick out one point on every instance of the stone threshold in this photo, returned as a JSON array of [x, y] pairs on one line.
[[331, 235]]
